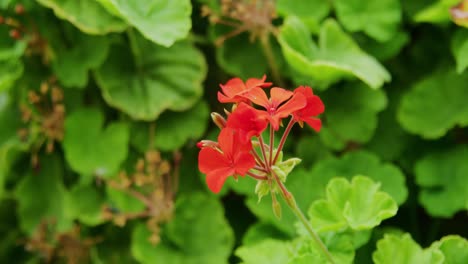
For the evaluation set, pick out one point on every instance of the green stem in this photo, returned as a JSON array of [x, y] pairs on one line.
[[291, 202], [270, 57]]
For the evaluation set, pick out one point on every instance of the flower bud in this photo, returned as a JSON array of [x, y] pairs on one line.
[[218, 120], [276, 206]]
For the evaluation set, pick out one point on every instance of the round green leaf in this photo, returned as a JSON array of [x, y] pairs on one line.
[[454, 248], [351, 115], [172, 129], [73, 64], [152, 79], [301, 8], [460, 49], [198, 233], [378, 19], [444, 182], [92, 150], [358, 205], [268, 251], [364, 163], [337, 56], [10, 71], [41, 196], [87, 15], [161, 21], [435, 105], [408, 251], [84, 202]]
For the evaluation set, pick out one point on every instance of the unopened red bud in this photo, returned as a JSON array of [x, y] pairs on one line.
[[19, 9], [218, 120], [2, 20], [207, 144], [15, 34]]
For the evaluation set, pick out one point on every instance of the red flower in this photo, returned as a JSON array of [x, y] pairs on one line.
[[231, 159], [313, 108], [246, 120], [234, 90], [281, 103]]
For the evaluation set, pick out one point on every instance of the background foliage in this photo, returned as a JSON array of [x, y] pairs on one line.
[[102, 102]]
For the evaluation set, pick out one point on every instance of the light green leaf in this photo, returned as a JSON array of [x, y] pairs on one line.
[[351, 115], [460, 49], [337, 56], [90, 149], [435, 105], [408, 251], [358, 205], [10, 71], [438, 12], [454, 248], [268, 251], [378, 19], [172, 129], [364, 163], [161, 21], [121, 201], [84, 202], [302, 9], [85, 53], [261, 231], [207, 239], [444, 182], [87, 15], [152, 79], [41, 196]]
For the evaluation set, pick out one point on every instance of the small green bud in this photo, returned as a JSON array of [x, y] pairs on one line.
[[276, 206]]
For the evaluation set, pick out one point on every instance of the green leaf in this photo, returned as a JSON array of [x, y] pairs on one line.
[[435, 105], [460, 49], [389, 140], [87, 15], [364, 163], [241, 57], [384, 51], [351, 115], [437, 12], [85, 53], [443, 181], [172, 129], [378, 19], [337, 56], [207, 238], [261, 231], [268, 251], [10, 71], [301, 8], [91, 149], [151, 79], [358, 205], [408, 251], [84, 202], [161, 21], [311, 149], [41, 196], [454, 248]]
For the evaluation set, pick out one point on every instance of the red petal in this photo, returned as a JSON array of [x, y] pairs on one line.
[[258, 96], [216, 178], [314, 123], [297, 102], [243, 162], [226, 141], [253, 82], [278, 96], [210, 159], [233, 87]]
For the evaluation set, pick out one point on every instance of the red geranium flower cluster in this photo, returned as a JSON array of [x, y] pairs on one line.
[[234, 154]]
